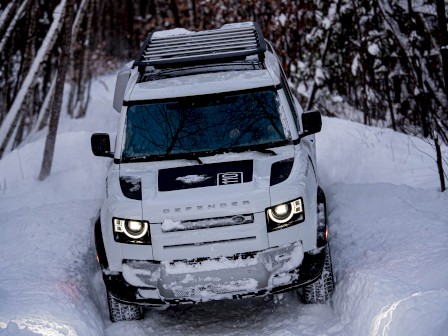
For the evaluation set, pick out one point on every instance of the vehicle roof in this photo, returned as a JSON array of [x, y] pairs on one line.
[[204, 83]]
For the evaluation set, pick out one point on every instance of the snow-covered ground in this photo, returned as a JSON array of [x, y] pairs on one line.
[[389, 240]]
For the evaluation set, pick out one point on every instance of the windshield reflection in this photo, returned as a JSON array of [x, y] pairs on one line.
[[203, 124]]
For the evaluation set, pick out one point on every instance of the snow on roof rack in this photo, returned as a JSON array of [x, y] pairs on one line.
[[228, 42]]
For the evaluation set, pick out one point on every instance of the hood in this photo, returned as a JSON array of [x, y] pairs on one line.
[[223, 185]]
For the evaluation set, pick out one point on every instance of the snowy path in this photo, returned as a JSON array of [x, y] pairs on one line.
[[389, 244], [252, 316], [45, 269]]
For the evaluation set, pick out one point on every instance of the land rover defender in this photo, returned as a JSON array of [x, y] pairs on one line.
[[213, 190]]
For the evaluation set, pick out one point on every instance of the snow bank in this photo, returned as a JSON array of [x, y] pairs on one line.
[[47, 260], [353, 153], [390, 255]]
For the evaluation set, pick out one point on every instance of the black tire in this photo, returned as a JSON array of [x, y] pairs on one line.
[[320, 290], [123, 312]]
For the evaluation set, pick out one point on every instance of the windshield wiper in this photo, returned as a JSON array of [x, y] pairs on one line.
[[264, 151], [254, 148], [189, 156]]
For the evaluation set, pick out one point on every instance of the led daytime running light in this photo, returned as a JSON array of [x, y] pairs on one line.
[[283, 213], [130, 227]]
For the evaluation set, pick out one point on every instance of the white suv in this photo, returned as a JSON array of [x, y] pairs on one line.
[[213, 192]]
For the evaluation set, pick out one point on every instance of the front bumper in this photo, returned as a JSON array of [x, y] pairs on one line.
[[273, 270]]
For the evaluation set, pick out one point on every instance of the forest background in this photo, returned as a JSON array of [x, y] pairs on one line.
[[379, 62]]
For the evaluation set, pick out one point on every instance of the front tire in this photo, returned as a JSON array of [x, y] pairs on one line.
[[123, 312], [320, 290]]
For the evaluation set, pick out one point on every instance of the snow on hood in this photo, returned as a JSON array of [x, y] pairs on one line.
[[192, 179], [200, 192]]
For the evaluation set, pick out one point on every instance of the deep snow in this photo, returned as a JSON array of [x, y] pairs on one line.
[[388, 228]]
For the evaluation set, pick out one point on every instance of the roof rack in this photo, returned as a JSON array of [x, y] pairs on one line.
[[195, 69], [228, 42]]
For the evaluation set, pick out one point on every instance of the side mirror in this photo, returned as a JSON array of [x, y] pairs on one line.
[[100, 143], [311, 122]]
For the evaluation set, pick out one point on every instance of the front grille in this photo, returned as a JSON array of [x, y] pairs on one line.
[[246, 239], [181, 292], [208, 223]]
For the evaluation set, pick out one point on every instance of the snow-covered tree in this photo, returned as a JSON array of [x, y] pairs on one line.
[[384, 58]]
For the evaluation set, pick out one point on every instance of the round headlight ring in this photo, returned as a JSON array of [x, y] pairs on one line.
[[281, 210], [135, 229], [281, 213]]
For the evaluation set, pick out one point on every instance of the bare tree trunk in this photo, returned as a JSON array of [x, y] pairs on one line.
[[81, 11], [42, 117], [63, 64], [82, 83], [192, 13], [7, 13], [389, 102], [74, 87], [441, 16], [11, 26], [175, 13], [440, 165], [19, 132], [10, 121]]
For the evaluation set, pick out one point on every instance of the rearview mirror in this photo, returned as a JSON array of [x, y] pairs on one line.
[[311, 122], [100, 143]]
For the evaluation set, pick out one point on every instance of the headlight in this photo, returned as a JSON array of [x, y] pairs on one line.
[[285, 215], [131, 231]]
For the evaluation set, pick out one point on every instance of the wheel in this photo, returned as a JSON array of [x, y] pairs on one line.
[[320, 290], [123, 312]]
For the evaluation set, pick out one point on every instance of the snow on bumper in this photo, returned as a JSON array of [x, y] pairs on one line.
[[214, 279]]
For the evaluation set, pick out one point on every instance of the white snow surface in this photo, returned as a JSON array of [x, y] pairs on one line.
[[182, 31], [192, 179], [171, 225], [373, 49], [388, 231]]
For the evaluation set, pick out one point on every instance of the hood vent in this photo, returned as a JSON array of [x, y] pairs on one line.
[[131, 187], [280, 171]]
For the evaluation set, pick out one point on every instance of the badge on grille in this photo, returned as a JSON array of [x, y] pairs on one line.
[[230, 178]]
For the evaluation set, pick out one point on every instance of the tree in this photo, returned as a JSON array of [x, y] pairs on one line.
[[63, 65], [443, 39], [29, 41], [23, 88], [387, 60]]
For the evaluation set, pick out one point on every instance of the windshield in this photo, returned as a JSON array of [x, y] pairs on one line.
[[203, 124]]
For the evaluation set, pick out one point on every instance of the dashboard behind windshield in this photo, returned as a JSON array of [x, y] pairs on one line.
[[202, 124]]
